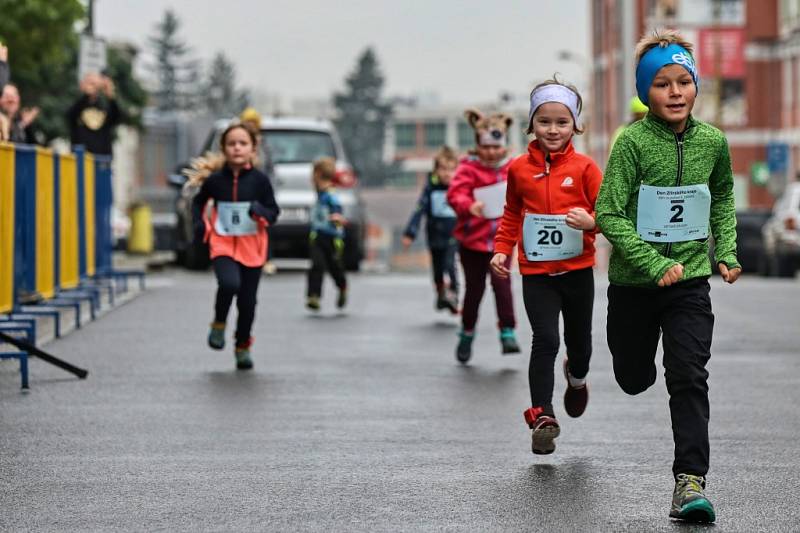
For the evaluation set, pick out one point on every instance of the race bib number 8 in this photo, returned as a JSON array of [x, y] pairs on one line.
[[548, 238], [234, 220], [673, 214]]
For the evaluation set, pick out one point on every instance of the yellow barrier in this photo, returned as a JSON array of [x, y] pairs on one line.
[[45, 219], [89, 213], [69, 276], [7, 202]]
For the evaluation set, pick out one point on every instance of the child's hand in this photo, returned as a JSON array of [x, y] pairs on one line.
[[731, 275], [671, 276], [476, 209], [406, 240], [579, 218], [498, 264], [338, 218], [3, 53]]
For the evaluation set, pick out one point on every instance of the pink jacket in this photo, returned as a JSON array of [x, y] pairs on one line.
[[474, 233]]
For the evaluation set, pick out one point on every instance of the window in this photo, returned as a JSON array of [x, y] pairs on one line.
[[466, 135], [405, 136], [435, 133], [296, 146]]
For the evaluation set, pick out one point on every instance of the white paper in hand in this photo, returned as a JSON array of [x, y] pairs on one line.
[[493, 198]]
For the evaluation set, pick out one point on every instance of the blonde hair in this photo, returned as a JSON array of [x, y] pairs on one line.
[[325, 168], [445, 153], [555, 81], [663, 38]]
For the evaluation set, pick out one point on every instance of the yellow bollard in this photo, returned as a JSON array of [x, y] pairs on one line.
[[140, 239]]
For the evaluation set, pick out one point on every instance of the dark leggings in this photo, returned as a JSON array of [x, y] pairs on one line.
[[326, 255], [444, 262], [545, 297], [476, 266], [681, 315], [235, 279]]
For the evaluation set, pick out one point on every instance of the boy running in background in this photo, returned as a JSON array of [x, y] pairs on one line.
[[440, 222], [326, 241]]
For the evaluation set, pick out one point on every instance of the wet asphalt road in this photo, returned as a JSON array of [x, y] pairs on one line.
[[364, 421]]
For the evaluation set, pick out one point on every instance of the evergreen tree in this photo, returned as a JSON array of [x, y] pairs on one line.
[[362, 118], [221, 96], [175, 71]]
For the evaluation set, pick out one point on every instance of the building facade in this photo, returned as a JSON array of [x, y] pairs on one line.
[[748, 57], [417, 131]]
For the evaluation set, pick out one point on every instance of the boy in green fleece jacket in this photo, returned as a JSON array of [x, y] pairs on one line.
[[668, 185]]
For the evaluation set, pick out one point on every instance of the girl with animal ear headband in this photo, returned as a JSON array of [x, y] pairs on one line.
[[549, 216], [485, 168]]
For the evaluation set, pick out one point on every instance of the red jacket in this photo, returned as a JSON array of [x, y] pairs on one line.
[[474, 233], [537, 186]]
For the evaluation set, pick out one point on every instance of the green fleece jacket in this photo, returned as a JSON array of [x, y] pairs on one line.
[[649, 152]]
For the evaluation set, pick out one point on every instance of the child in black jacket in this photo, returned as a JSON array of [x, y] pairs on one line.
[[441, 219]]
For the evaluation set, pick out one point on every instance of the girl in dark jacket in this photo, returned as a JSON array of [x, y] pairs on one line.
[[236, 231]]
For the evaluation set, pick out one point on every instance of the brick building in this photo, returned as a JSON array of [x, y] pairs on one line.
[[748, 55]]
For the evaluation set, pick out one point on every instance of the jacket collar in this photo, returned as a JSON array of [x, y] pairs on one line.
[[663, 129], [537, 156]]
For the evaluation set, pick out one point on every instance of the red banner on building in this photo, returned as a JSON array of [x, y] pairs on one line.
[[723, 47]]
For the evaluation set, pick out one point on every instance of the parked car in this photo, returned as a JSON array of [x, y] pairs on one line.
[[290, 145], [782, 234], [749, 242]]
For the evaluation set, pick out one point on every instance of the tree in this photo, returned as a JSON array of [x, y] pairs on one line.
[[175, 71], [130, 94], [43, 55], [362, 118], [220, 95]]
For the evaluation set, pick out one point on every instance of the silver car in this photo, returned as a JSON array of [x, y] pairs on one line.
[[289, 147], [782, 234]]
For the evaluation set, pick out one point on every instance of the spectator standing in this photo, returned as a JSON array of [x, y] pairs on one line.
[[93, 117]]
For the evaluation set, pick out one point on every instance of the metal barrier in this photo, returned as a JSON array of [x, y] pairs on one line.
[[55, 237]]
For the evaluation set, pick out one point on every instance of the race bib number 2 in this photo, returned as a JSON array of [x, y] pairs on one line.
[[673, 214], [548, 238]]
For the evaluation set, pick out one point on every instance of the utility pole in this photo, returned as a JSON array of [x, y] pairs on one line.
[[90, 19]]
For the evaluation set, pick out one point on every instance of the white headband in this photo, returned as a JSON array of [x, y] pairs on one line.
[[554, 93]]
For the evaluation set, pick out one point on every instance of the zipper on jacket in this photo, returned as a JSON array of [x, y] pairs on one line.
[[235, 198], [679, 179], [547, 177]]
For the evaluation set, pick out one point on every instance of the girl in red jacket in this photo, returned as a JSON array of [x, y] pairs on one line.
[[243, 207], [476, 227], [549, 213]]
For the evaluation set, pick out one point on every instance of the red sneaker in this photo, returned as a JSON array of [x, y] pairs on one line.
[[544, 430], [575, 398]]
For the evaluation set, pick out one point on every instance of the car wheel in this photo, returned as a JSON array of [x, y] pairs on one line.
[[196, 256], [784, 266]]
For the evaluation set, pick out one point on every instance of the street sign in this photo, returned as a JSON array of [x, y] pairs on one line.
[[759, 173], [778, 157], [92, 58]]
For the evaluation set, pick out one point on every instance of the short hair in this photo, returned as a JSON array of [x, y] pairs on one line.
[[555, 81], [663, 38], [325, 168], [445, 153]]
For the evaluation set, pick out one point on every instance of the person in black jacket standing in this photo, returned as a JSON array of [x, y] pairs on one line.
[[441, 219], [93, 117]]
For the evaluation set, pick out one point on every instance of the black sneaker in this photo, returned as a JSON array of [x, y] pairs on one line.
[[341, 300], [464, 348]]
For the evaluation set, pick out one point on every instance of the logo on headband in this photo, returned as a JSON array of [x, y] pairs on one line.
[[682, 58]]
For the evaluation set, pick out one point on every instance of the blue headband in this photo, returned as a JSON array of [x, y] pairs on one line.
[[659, 57]]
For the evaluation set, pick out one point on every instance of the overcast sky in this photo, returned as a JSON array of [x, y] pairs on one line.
[[463, 50]]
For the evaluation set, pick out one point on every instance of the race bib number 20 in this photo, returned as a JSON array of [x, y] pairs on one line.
[[548, 238]]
